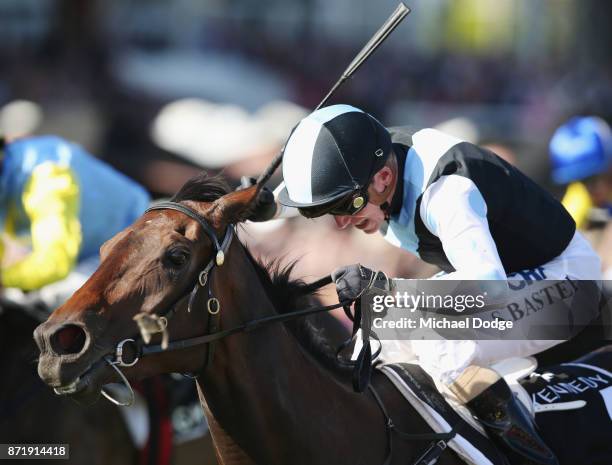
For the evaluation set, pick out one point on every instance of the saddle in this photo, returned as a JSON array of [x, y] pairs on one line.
[[571, 404]]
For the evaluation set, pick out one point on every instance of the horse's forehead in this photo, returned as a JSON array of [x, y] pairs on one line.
[[166, 221], [160, 222], [152, 234], [141, 237]]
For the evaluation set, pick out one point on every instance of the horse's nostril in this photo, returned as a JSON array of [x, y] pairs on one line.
[[69, 339]]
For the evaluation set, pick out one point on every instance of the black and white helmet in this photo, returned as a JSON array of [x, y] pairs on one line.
[[332, 153]]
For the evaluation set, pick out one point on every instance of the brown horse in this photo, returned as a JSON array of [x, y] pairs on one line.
[[273, 393]]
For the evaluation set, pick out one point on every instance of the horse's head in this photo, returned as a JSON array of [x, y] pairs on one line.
[[146, 270]]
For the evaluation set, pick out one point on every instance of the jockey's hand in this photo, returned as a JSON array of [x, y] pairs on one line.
[[353, 280], [265, 205]]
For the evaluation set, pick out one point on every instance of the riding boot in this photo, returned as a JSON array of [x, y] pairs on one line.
[[510, 426]]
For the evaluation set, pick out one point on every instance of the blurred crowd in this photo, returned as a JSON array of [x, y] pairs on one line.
[[161, 90]]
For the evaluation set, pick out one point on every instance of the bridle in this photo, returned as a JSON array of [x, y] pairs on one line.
[[137, 347], [151, 324]]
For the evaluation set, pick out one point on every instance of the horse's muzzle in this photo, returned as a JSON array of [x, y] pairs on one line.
[[65, 352]]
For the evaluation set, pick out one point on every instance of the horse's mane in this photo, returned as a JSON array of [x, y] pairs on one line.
[[319, 334], [203, 188], [313, 333]]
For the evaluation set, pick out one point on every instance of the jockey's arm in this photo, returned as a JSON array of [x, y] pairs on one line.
[[454, 210], [51, 201]]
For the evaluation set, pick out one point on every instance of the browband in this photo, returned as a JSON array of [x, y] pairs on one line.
[[189, 212]]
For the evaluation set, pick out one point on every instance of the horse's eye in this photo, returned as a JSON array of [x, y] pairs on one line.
[[177, 257]]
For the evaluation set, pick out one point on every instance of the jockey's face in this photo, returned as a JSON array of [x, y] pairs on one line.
[[371, 217]]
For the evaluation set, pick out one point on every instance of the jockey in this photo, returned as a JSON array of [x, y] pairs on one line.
[[581, 156], [62, 204], [455, 205]]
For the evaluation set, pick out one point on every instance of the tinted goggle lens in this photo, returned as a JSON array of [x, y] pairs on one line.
[[346, 206]]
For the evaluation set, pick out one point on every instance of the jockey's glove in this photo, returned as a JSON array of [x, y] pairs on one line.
[[353, 280], [265, 204]]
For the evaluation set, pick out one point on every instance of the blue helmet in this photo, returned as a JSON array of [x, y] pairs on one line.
[[580, 148]]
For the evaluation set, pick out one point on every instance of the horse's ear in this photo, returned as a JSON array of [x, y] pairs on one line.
[[235, 207]]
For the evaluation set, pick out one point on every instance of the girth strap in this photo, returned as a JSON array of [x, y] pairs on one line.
[[434, 450]]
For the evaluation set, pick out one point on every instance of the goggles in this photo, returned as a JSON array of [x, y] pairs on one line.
[[346, 206]]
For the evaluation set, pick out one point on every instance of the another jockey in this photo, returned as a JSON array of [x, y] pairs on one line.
[[453, 204], [62, 204], [581, 156]]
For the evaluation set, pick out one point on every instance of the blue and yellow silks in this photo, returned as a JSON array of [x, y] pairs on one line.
[[64, 204]]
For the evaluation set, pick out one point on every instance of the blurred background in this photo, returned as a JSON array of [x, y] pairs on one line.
[[162, 89]]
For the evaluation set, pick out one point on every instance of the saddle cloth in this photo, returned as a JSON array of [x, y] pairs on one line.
[[573, 405]]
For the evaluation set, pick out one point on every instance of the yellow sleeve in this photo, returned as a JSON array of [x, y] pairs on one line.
[[577, 201], [51, 201]]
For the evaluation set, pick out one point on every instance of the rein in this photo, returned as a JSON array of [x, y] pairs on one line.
[[151, 324]]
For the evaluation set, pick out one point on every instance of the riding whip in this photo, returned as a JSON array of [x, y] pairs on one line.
[[378, 38]]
